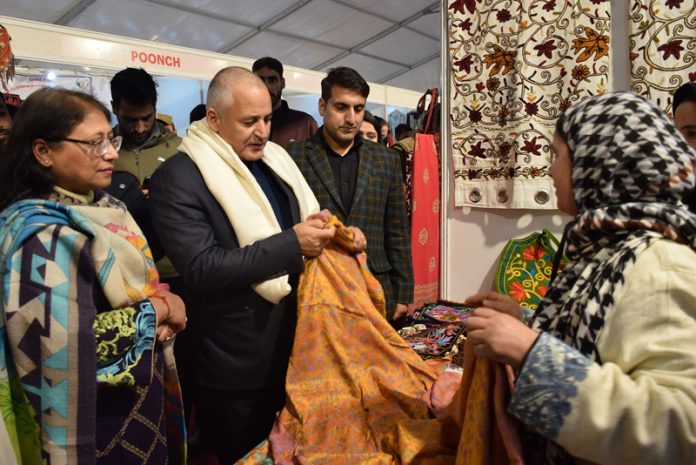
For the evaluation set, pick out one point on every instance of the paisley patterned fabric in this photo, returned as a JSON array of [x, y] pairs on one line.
[[477, 423], [354, 387]]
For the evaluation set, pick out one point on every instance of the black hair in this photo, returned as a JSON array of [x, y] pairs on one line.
[[372, 119], [135, 86], [8, 109], [344, 77], [379, 124], [268, 62], [685, 93], [11, 110], [49, 114], [197, 113], [402, 131]]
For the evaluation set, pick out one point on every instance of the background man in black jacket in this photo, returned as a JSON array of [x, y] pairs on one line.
[[213, 204]]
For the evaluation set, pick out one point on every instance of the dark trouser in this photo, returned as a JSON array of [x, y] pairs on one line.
[[237, 421], [385, 280]]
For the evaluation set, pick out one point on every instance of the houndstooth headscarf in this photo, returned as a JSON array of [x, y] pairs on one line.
[[631, 170]]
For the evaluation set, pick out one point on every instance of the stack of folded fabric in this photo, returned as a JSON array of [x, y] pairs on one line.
[[437, 330]]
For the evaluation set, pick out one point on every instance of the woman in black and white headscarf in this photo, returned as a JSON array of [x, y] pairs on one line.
[[607, 366]]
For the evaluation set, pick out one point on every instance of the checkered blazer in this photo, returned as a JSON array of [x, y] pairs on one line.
[[378, 208]]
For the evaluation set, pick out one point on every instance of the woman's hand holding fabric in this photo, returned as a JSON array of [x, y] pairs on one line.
[[496, 301], [171, 314], [499, 336]]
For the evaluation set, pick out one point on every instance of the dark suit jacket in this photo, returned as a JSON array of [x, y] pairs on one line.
[[125, 187], [378, 208], [288, 125], [241, 340]]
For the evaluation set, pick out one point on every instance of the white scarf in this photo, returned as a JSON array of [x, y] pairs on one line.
[[240, 196]]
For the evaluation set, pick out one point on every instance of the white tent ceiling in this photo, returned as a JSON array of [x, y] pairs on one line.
[[393, 42]]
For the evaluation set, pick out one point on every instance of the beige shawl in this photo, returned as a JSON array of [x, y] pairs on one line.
[[234, 187]]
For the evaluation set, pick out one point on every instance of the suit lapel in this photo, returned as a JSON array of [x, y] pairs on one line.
[[318, 159], [363, 181]]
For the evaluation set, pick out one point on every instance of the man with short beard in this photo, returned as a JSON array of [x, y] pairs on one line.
[[287, 125], [361, 183]]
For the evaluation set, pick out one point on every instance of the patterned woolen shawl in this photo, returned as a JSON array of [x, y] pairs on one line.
[[631, 170]]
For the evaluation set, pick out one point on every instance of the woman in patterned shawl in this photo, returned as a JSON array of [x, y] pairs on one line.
[[607, 368], [85, 326]]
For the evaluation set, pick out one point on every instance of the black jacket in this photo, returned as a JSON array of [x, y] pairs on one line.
[[241, 340], [125, 187]]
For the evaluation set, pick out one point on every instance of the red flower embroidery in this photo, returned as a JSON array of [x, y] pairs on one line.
[[692, 76], [517, 292], [466, 25], [477, 151], [671, 48], [533, 253], [530, 146], [465, 63], [503, 15], [459, 5], [531, 108], [480, 86], [545, 49], [550, 5], [504, 149], [674, 3], [475, 116], [542, 290]]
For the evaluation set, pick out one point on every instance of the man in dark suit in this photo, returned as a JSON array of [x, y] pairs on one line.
[[228, 208], [361, 182]]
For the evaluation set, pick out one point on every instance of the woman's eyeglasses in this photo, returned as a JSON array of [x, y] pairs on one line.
[[100, 147]]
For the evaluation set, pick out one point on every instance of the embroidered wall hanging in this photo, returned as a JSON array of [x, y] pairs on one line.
[[515, 66], [525, 267], [663, 48]]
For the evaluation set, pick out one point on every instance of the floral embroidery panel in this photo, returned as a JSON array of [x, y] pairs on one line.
[[515, 66], [663, 48]]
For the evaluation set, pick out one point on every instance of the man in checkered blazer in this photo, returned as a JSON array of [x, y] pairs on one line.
[[360, 182]]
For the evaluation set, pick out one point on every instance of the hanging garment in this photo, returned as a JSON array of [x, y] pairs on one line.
[[425, 221], [508, 83]]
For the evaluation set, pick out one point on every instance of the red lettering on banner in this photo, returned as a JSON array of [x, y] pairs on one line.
[[156, 59]]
